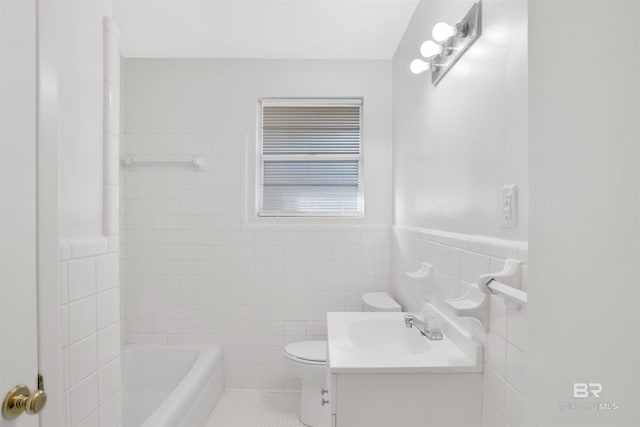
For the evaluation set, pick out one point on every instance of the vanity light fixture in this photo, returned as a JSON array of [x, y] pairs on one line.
[[451, 41], [429, 49], [442, 31], [418, 66]]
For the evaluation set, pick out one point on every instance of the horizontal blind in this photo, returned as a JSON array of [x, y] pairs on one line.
[[310, 160], [311, 130]]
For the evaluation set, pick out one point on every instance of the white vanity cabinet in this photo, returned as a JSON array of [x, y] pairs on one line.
[[382, 374], [405, 400], [332, 395]]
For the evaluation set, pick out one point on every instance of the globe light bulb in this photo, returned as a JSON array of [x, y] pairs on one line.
[[430, 49], [418, 66], [443, 31]]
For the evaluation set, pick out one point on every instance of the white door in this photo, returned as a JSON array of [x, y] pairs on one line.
[[18, 306]]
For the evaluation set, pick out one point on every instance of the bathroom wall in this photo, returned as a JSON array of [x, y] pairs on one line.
[[457, 260], [454, 146], [457, 144], [90, 310], [80, 88], [198, 267], [585, 212], [89, 261]]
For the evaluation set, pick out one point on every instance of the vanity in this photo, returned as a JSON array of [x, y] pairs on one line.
[[380, 373]]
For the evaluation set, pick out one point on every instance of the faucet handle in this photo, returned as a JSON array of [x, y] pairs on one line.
[[431, 321], [433, 324], [408, 320], [412, 320]]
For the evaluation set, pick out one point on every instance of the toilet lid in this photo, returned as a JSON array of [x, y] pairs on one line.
[[380, 301], [314, 351]]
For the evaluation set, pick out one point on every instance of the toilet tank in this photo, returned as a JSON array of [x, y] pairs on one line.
[[379, 301]]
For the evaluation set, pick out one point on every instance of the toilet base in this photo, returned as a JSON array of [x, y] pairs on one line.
[[313, 380]]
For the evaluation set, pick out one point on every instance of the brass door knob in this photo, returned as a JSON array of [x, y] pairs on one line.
[[35, 402], [20, 399]]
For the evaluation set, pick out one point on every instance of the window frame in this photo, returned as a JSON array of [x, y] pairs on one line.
[[308, 102]]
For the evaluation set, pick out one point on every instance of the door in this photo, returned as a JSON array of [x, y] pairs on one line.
[[18, 298]]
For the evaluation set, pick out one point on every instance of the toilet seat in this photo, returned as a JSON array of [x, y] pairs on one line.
[[307, 352]]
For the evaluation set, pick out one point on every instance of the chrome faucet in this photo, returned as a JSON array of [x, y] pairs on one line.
[[431, 332]]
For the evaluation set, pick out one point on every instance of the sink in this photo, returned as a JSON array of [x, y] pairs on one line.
[[387, 338], [380, 342]]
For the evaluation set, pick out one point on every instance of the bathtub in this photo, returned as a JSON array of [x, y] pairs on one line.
[[170, 386]]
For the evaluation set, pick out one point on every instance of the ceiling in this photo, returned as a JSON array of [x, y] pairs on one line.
[[291, 29]]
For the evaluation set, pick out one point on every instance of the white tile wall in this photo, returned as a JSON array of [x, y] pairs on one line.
[[194, 272], [90, 282], [90, 319], [458, 260], [82, 278]]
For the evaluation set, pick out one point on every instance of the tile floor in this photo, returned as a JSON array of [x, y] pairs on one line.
[[256, 408]]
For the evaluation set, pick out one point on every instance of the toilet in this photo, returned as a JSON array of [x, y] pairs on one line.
[[379, 301], [308, 360]]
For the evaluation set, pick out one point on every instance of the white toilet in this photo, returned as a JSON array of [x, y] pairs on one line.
[[308, 360]]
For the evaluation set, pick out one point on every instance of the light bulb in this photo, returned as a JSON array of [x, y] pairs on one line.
[[430, 48], [443, 31], [418, 66]]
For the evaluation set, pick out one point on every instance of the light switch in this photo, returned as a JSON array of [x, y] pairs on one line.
[[509, 206]]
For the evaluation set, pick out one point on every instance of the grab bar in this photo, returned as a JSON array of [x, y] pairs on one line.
[[196, 163], [508, 292], [506, 283]]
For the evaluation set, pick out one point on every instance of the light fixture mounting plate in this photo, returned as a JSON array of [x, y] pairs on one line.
[[459, 45]]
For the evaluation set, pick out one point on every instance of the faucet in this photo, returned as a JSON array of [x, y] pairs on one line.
[[431, 332]]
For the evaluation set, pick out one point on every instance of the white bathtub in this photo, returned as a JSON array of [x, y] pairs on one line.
[[170, 386]]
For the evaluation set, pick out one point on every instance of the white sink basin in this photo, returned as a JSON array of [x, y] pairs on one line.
[[380, 342], [384, 338]]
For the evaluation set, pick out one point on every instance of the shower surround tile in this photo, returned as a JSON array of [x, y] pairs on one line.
[[90, 322], [194, 271], [89, 259]]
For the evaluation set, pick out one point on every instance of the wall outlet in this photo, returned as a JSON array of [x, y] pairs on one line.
[[509, 206]]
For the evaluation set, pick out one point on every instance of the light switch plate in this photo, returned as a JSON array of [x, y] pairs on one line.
[[509, 206]]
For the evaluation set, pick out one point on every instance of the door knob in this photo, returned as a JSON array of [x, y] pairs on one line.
[[20, 399]]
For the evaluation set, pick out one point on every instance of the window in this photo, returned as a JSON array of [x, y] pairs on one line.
[[310, 158]]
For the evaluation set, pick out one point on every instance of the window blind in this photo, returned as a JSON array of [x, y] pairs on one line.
[[310, 158]]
